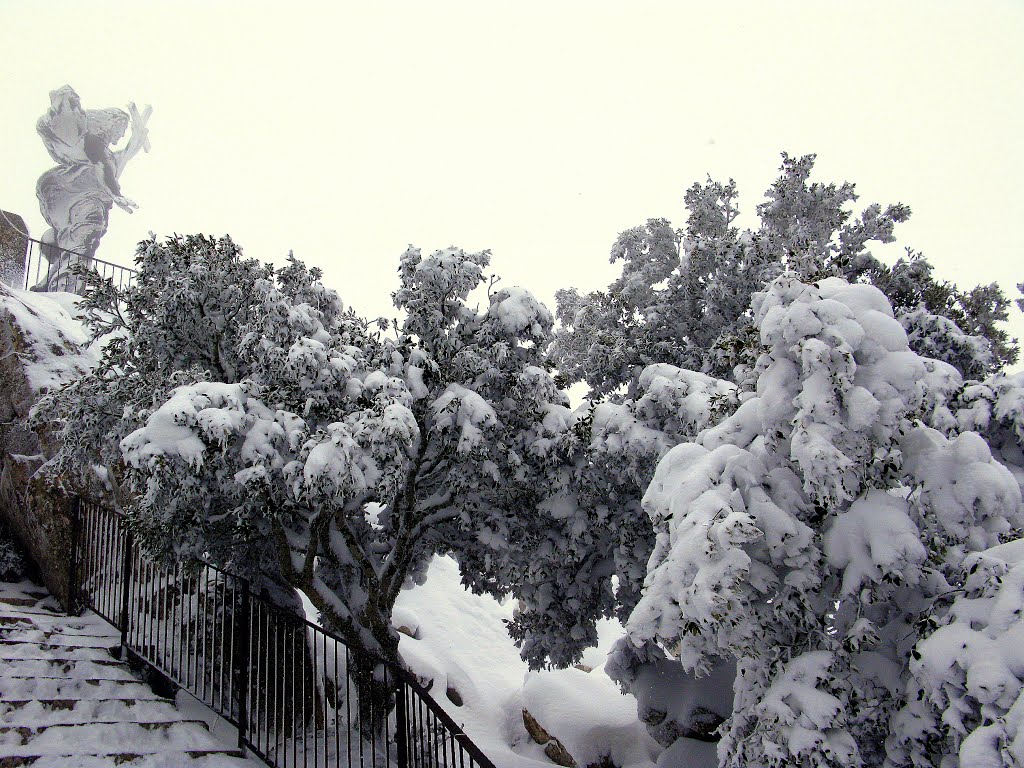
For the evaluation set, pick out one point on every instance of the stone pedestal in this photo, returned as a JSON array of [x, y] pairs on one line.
[[13, 247]]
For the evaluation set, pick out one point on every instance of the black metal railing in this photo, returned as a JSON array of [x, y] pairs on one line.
[[296, 692], [49, 268]]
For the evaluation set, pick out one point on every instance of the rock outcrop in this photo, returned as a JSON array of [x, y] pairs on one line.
[[553, 748], [42, 346], [13, 246], [674, 705]]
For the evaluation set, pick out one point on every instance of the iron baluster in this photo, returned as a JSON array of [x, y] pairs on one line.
[[242, 689], [75, 512], [125, 589]]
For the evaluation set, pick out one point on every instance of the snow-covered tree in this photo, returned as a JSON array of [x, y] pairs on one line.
[[681, 303], [811, 533], [265, 425], [182, 319], [680, 306], [684, 294]]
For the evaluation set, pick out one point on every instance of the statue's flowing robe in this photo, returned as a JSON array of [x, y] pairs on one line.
[[75, 197]]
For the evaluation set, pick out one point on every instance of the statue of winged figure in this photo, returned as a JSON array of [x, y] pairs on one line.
[[76, 196]]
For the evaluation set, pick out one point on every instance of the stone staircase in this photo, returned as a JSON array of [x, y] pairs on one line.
[[66, 701]]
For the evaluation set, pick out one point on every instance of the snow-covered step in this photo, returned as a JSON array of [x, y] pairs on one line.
[[78, 669], [47, 610], [46, 619], [21, 601], [22, 589], [12, 620], [159, 760], [27, 604], [75, 638], [29, 608], [21, 689], [20, 596], [37, 712], [108, 739], [29, 650]]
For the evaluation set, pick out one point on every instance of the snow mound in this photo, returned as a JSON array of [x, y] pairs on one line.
[[461, 649]]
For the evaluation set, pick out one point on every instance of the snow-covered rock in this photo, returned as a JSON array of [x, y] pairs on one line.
[[42, 346]]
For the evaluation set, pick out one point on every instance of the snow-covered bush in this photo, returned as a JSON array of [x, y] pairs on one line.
[[809, 534]]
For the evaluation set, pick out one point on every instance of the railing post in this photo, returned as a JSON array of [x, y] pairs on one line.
[[75, 512], [241, 622], [126, 578], [28, 263], [401, 726]]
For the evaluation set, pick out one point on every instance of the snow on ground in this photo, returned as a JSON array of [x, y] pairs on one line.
[[461, 644]]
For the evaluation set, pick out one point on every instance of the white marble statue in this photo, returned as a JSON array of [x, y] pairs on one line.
[[77, 195]]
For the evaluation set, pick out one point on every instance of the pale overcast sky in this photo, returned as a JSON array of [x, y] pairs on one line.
[[346, 131]]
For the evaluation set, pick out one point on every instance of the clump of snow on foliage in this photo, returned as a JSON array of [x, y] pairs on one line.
[[200, 414], [809, 720], [965, 708], [461, 410], [940, 338], [995, 409], [520, 314], [970, 496], [874, 538], [682, 402]]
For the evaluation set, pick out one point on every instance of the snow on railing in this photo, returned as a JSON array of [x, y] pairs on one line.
[[298, 694]]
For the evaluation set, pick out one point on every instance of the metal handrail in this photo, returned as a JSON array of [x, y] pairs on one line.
[[47, 268], [167, 624]]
